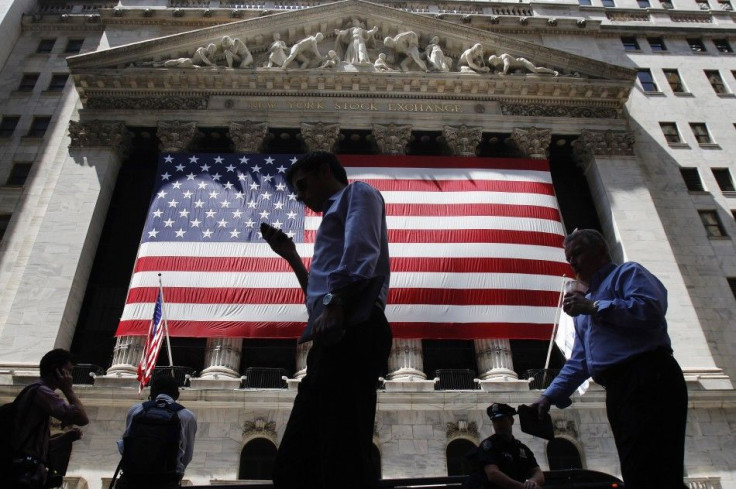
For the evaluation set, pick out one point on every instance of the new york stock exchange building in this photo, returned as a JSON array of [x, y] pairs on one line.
[[144, 140]]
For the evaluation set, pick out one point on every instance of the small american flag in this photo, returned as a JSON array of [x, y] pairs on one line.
[[153, 344], [475, 246]]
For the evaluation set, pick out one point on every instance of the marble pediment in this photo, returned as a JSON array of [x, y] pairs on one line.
[[344, 45]]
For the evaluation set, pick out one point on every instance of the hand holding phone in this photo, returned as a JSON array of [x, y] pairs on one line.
[[277, 240]]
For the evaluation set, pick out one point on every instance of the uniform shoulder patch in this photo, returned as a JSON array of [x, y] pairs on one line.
[[487, 445]]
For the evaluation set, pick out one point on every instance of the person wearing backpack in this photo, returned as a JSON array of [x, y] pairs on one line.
[[158, 441], [26, 449]]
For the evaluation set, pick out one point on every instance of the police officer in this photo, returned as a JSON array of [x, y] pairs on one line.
[[501, 460]]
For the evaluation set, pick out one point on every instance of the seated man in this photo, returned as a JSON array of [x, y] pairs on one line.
[[501, 460]]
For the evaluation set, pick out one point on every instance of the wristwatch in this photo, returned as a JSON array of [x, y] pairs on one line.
[[331, 299]]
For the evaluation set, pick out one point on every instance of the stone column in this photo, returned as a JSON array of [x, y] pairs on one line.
[[532, 142], [462, 140], [126, 356], [320, 136], [222, 361], [392, 139], [248, 136], [176, 136], [302, 350], [632, 224]]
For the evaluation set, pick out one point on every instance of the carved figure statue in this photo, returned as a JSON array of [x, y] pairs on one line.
[[235, 52], [406, 43], [305, 51], [331, 61], [437, 59], [511, 63], [351, 43], [203, 56], [472, 60], [277, 52], [381, 64]]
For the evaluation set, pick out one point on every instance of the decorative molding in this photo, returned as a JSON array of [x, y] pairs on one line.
[[248, 136], [565, 427], [463, 140], [320, 136], [100, 134], [539, 110], [605, 143], [462, 428], [260, 427], [392, 139], [176, 136], [532, 141], [148, 103]]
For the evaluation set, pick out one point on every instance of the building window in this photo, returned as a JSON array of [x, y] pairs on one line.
[[712, 224], [4, 222], [28, 82], [608, 3], [674, 80], [643, 3], [19, 174], [563, 455], [723, 177], [700, 131], [723, 46], [671, 134], [584, 2], [257, 460], [692, 179], [714, 77], [732, 285], [46, 45], [39, 126], [74, 45], [457, 462], [630, 43], [656, 44], [725, 4], [647, 81], [696, 45], [58, 82], [703, 4], [7, 125], [666, 4]]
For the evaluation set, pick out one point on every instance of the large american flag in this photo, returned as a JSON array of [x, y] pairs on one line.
[[475, 244]]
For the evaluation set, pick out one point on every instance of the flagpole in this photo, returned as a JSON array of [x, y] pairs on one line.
[[166, 324], [557, 322]]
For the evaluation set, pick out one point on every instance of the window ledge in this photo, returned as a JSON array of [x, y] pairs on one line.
[[720, 238], [654, 94], [660, 52], [729, 193], [709, 145], [683, 94], [726, 95], [698, 192], [678, 145]]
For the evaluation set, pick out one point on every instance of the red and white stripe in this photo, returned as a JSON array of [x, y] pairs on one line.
[[475, 246]]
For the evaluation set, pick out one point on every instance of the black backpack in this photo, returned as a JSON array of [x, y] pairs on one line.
[[151, 447], [9, 420]]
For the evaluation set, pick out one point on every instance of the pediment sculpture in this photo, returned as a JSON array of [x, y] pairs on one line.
[[355, 48]]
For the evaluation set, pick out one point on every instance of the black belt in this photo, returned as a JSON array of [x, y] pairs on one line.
[[615, 371]]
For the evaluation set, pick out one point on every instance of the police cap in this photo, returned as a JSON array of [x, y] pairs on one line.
[[499, 410]]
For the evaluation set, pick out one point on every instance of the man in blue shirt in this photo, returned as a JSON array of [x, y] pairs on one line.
[[328, 439], [621, 341]]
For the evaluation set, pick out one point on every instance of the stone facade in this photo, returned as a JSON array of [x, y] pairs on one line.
[[149, 64]]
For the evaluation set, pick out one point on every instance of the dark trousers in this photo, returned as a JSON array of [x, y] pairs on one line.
[[328, 442], [646, 402]]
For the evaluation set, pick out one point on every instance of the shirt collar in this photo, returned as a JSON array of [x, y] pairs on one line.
[[600, 274], [332, 198], [165, 397]]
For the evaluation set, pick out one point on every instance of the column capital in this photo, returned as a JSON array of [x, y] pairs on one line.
[[604, 143], [176, 136], [462, 140], [320, 136], [100, 134], [391, 138], [532, 141], [248, 136]]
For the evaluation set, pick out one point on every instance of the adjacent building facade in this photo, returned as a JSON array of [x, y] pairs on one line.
[[632, 103]]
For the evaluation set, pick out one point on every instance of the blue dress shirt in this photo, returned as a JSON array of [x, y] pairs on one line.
[[351, 243], [630, 319]]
